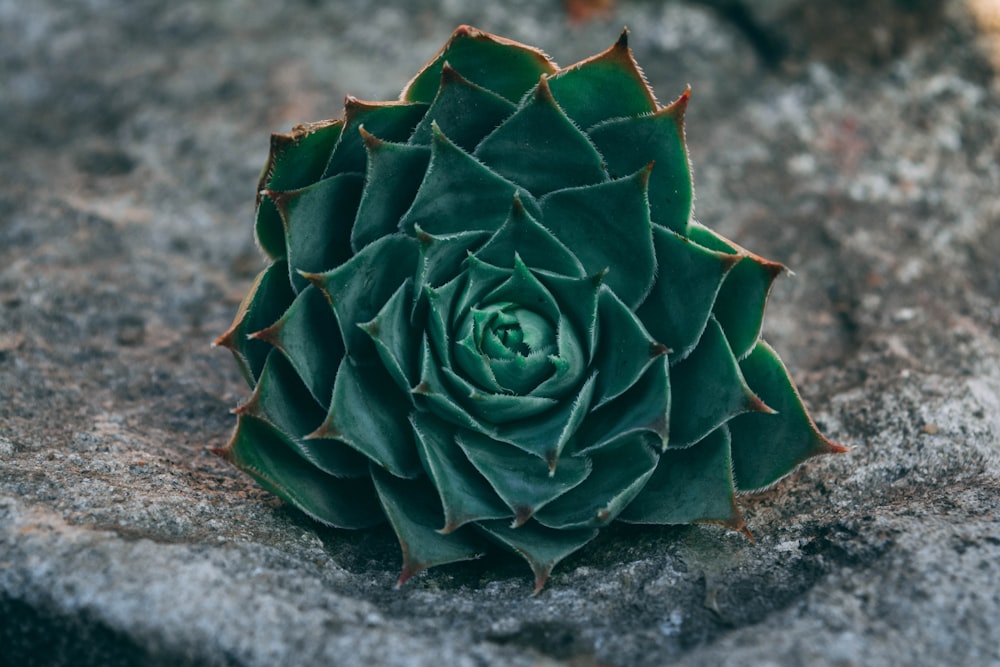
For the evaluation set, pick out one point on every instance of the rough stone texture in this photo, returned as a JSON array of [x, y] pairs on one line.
[[857, 142]]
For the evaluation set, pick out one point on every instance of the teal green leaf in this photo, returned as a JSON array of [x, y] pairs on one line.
[[464, 111], [525, 290], [540, 149], [369, 413], [608, 85], [389, 121], [689, 485], [413, 510], [547, 435], [543, 548], [644, 408], [390, 330], [267, 299], [523, 481], [282, 400], [681, 301], [296, 159], [739, 306], [458, 194], [619, 473], [708, 390], [525, 237], [476, 54], [307, 335], [434, 394], [628, 144], [267, 455], [624, 350], [495, 407], [767, 446], [569, 363], [577, 299], [359, 288], [318, 222], [607, 226], [442, 257], [465, 494], [393, 176]]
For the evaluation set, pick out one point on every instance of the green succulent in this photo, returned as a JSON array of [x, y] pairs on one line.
[[490, 319]]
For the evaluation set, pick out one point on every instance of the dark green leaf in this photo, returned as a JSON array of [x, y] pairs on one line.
[[543, 548], [465, 494], [689, 277], [522, 480], [766, 447], [607, 227], [267, 299], [522, 235], [442, 257], [458, 194], [624, 348], [503, 66], [389, 121], [708, 390], [318, 222], [608, 85], [359, 288], [628, 144], [307, 335], [577, 299], [393, 176], [644, 408], [266, 455], [464, 111], [691, 484], [369, 413], [540, 149], [414, 511], [395, 340], [619, 473], [282, 400], [739, 306]]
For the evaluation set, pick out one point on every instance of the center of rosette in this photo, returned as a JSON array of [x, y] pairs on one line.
[[514, 346]]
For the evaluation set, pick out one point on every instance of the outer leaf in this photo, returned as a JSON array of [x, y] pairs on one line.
[[307, 335], [393, 176], [766, 447], [680, 303], [465, 494], [692, 484], [620, 472], [607, 227], [543, 548], [389, 121], [504, 66], [739, 306], [464, 111], [631, 143], [267, 299], [412, 509], [608, 85], [458, 194], [708, 390], [296, 159], [368, 412], [318, 222], [265, 454], [281, 400], [359, 288], [540, 149]]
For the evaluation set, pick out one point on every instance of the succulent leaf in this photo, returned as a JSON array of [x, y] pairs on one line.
[[490, 319]]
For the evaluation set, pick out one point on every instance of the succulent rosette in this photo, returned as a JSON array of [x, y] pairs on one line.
[[489, 318]]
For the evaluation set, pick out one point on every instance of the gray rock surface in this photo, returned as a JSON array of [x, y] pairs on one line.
[[859, 145]]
